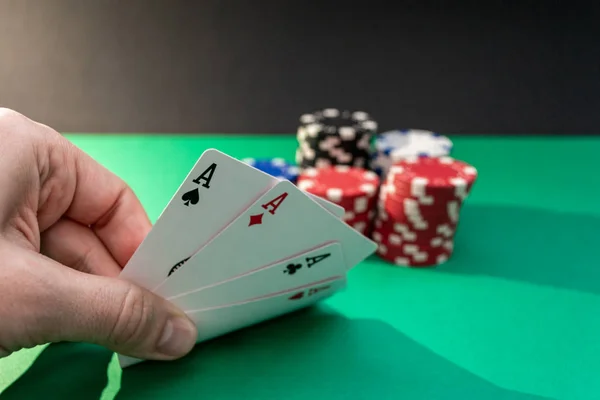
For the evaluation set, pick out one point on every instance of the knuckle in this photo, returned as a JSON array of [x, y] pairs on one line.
[[9, 116], [15, 124], [83, 261], [134, 317], [15, 132], [12, 123]]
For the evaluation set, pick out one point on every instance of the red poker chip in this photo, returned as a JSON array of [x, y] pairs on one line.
[[398, 192], [401, 177], [393, 195], [413, 252], [339, 182], [350, 216], [418, 210], [354, 189], [357, 205], [419, 226], [413, 257], [411, 207], [408, 248], [433, 172], [389, 216], [400, 225], [395, 239], [401, 244], [415, 228], [399, 241], [401, 262], [433, 239]]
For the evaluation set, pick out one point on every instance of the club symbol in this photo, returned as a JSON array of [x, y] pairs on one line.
[[256, 219], [292, 268], [191, 197]]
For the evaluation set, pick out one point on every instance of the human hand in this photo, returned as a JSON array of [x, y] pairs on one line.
[[67, 227]]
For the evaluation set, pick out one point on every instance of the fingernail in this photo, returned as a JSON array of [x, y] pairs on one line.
[[178, 337]]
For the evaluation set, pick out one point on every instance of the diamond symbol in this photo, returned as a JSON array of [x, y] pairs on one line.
[[297, 296], [256, 219]]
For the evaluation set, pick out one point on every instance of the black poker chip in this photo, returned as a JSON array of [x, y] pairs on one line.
[[332, 137]]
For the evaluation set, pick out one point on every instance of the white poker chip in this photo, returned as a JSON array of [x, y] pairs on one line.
[[396, 145]]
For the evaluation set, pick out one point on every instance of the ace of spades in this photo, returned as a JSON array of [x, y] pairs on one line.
[[192, 197]]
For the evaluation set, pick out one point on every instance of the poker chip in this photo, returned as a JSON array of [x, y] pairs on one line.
[[418, 209], [277, 167], [434, 173], [396, 145], [353, 188], [332, 137]]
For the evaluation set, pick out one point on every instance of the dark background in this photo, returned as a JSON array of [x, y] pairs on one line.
[[255, 66]]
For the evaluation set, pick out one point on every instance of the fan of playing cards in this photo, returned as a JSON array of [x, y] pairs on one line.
[[236, 246]]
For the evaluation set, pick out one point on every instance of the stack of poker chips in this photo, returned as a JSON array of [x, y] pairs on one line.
[[355, 189], [393, 146], [277, 167], [418, 210], [332, 137]]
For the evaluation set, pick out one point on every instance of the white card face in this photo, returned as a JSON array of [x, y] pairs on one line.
[[333, 208], [217, 189], [217, 321], [313, 266], [284, 222]]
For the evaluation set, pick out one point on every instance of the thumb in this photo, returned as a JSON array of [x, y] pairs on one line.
[[129, 320], [62, 304], [135, 322]]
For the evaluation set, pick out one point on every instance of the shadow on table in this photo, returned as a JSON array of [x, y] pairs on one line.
[[536, 246], [63, 371], [313, 353]]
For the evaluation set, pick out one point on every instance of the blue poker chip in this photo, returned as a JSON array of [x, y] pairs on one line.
[[397, 145], [400, 144], [276, 167]]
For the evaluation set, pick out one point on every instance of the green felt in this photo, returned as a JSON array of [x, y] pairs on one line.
[[514, 314]]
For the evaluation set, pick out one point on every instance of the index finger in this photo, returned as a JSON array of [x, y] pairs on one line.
[[100, 200]]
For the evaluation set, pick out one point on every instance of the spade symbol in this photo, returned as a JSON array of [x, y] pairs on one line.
[[191, 197]]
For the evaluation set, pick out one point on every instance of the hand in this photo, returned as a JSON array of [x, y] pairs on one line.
[[67, 227]]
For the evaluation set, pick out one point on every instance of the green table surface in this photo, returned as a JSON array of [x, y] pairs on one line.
[[514, 314]]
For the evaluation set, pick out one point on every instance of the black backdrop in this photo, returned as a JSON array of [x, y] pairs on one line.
[[255, 66]]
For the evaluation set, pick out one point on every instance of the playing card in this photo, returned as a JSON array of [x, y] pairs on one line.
[[312, 266], [217, 321], [337, 211], [283, 222], [217, 189]]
